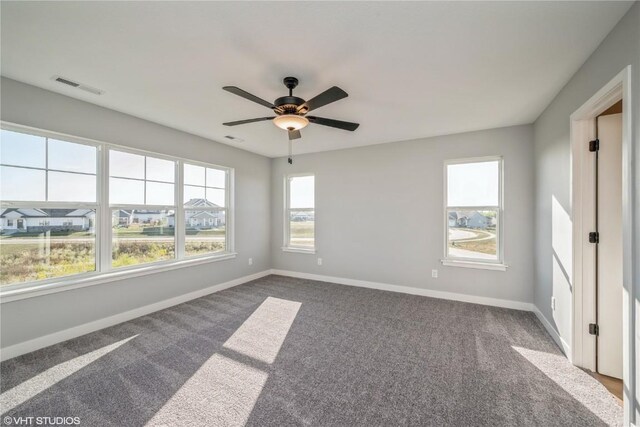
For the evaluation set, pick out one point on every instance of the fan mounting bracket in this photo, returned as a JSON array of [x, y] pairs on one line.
[[290, 82]]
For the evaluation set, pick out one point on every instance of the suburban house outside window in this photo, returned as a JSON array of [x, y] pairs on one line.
[[73, 207], [300, 213], [49, 199], [473, 211], [205, 201]]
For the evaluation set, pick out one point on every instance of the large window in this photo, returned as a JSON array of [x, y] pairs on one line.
[[473, 210], [205, 209], [48, 207], [70, 206], [300, 213]]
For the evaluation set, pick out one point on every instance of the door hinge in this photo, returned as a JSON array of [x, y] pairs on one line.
[[594, 145], [594, 237], [594, 329]]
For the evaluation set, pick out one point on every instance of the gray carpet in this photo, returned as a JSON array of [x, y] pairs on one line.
[[281, 351]]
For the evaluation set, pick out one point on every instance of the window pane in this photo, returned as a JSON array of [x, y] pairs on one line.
[[216, 178], [20, 149], [160, 170], [22, 184], [473, 184], [193, 175], [472, 234], [126, 165], [215, 196], [45, 243], [71, 157], [302, 228], [193, 194], [205, 231], [71, 187], [301, 192], [126, 192], [160, 194], [141, 236]]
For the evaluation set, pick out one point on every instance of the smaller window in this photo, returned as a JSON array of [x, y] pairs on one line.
[[473, 210], [300, 212], [205, 210], [9, 223]]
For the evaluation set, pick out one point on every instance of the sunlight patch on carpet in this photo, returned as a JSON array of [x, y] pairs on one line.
[[36, 385]]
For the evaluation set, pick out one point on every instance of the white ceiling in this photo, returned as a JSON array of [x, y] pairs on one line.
[[412, 70]]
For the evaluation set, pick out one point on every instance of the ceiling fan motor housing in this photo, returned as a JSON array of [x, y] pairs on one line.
[[289, 105]]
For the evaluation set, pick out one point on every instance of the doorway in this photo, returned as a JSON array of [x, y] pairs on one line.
[[602, 293]]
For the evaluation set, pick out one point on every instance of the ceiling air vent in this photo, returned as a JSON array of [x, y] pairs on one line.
[[77, 85], [233, 138]]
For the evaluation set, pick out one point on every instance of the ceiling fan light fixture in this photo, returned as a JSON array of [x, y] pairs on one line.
[[290, 122]]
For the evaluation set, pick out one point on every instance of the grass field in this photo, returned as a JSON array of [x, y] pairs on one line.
[[34, 258], [301, 233], [484, 242]]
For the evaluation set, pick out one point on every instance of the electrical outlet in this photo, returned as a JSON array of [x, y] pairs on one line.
[[250, 261], [319, 261], [434, 274], [553, 303]]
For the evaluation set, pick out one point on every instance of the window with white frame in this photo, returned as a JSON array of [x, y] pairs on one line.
[[142, 202], [300, 212], [473, 210], [48, 190], [205, 199], [72, 207]]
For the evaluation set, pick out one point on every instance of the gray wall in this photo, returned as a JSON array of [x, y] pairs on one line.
[[379, 213], [38, 316], [552, 163], [552, 155]]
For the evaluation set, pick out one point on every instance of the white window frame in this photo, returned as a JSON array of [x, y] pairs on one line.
[[479, 263], [229, 248], [104, 273], [287, 247], [107, 255]]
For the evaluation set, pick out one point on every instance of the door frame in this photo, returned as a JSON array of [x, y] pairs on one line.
[[583, 129]]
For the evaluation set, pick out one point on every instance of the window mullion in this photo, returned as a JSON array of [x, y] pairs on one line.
[[179, 225], [104, 226]]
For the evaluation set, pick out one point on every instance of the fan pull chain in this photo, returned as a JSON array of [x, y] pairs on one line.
[[290, 160]]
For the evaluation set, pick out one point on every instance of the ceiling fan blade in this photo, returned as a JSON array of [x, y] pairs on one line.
[[294, 134], [327, 97], [242, 122], [333, 123], [246, 95]]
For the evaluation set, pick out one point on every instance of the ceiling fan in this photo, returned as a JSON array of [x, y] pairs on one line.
[[291, 111]]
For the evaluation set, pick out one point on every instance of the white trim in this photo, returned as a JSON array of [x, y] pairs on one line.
[[67, 334], [298, 250], [495, 302], [474, 264], [566, 348], [92, 279]]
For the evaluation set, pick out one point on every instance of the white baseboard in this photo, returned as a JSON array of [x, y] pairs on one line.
[[496, 302], [67, 334], [566, 348]]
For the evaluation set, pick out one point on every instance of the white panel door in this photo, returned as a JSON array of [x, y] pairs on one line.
[[610, 246]]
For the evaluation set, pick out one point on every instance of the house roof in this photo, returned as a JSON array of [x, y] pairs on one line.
[[48, 213], [200, 203]]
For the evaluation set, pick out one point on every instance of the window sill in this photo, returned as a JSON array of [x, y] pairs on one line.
[[298, 250], [91, 279], [475, 264]]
